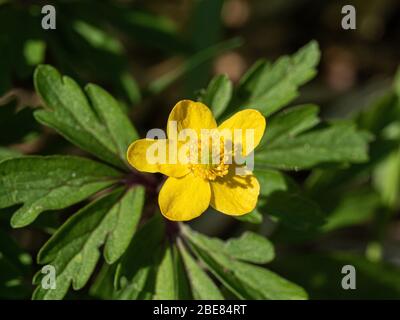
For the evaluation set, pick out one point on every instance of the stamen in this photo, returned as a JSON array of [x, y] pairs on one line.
[[216, 165]]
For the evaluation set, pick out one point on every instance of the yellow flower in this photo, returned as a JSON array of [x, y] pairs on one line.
[[192, 187]]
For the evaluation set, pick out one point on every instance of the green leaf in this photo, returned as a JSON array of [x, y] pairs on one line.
[[6, 153], [201, 36], [117, 123], [202, 286], [171, 281], [91, 125], [338, 143], [290, 123], [103, 286], [74, 249], [165, 279], [182, 285], [250, 247], [386, 179], [254, 217], [293, 210], [49, 183], [380, 114], [218, 94], [246, 281], [34, 52], [130, 87], [269, 87], [322, 184], [97, 38], [392, 131], [272, 180], [136, 273], [355, 208], [129, 212]]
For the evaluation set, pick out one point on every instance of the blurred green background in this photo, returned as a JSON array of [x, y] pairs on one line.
[[150, 54]]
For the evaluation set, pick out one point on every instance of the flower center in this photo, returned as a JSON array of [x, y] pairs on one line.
[[210, 161], [209, 172]]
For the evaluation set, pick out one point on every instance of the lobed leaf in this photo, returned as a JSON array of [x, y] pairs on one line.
[[74, 249], [290, 123], [338, 143], [293, 210], [250, 247], [380, 114], [218, 94], [269, 87], [202, 286], [182, 285], [272, 180], [129, 213], [81, 121], [354, 208], [49, 183], [103, 286], [137, 270], [171, 281], [165, 288], [117, 123], [246, 281]]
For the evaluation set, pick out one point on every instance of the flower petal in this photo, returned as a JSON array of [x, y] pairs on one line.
[[141, 155], [190, 115], [246, 119], [234, 195], [185, 198]]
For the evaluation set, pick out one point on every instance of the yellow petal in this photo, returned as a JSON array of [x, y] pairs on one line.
[[148, 155], [234, 195], [188, 114], [246, 119], [185, 198]]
